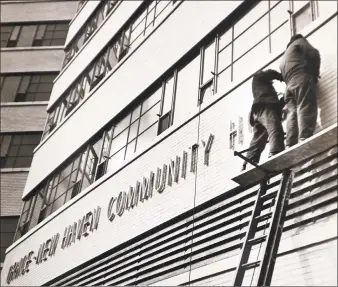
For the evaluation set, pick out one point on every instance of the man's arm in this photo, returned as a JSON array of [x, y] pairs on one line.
[[272, 75]]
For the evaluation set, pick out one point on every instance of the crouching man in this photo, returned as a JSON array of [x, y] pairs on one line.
[[265, 116]]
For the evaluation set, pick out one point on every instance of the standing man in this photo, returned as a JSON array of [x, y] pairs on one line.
[[265, 116], [300, 67]]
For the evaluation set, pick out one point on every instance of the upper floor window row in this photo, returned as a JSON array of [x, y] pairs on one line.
[[17, 149], [109, 57], [80, 5], [26, 87], [94, 21], [34, 35], [166, 103]]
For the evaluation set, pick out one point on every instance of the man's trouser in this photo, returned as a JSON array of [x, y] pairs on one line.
[[267, 125], [301, 103]]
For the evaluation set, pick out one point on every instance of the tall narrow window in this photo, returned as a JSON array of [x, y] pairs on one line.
[[207, 73]]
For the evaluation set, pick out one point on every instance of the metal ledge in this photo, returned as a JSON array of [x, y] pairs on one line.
[[289, 158]]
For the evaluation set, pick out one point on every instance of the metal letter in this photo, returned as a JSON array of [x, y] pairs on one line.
[[29, 261], [80, 227], [64, 239], [110, 213], [46, 249], [120, 205], [96, 218], [161, 186], [87, 223], [171, 172], [184, 164], [208, 148]]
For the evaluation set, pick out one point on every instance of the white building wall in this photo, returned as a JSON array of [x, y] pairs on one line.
[[210, 182], [116, 94]]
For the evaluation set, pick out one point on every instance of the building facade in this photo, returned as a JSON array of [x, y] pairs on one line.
[[133, 180], [33, 34]]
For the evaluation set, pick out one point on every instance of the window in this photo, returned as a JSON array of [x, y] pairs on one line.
[[26, 87], [304, 16], [8, 226], [23, 225], [164, 123], [116, 50], [43, 34], [207, 73], [17, 149]]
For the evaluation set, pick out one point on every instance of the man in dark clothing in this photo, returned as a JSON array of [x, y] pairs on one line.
[[300, 67], [265, 116]]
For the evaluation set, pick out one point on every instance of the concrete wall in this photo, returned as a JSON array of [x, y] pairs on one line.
[[12, 184], [32, 11], [24, 117], [31, 59]]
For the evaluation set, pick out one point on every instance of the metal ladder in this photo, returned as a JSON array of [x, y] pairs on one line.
[[272, 237]]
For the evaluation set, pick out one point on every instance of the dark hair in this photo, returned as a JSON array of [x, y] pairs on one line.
[[294, 38]]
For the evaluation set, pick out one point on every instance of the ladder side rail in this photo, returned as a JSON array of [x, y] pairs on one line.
[[275, 230]]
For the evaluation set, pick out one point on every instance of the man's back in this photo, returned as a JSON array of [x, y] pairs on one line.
[[300, 58]]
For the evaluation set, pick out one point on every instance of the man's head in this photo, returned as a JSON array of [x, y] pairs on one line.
[[294, 38]]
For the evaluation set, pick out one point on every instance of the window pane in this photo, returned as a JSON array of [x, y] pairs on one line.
[[302, 18], [279, 14], [258, 11], [58, 202], [26, 36], [31, 139], [152, 100], [130, 149], [26, 150], [122, 125], [24, 84], [146, 138], [112, 58], [225, 39], [224, 58], [119, 142], [133, 131], [136, 113], [149, 118], [116, 161], [209, 62], [40, 32], [10, 88], [251, 37], [280, 38], [251, 62], [168, 95], [23, 161], [5, 145], [15, 33]]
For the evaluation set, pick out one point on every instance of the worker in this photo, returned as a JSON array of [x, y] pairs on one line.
[[265, 116], [300, 68]]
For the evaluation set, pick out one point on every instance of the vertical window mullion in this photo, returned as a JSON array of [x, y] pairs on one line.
[[126, 145], [162, 98], [200, 75], [270, 48], [138, 128], [232, 53], [216, 63], [173, 101]]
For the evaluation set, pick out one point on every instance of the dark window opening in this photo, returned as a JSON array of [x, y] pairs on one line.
[[164, 123]]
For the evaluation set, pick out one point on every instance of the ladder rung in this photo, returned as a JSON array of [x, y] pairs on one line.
[[251, 264], [257, 239], [268, 195], [263, 216]]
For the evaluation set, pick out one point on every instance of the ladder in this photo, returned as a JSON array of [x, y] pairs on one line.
[[272, 238]]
